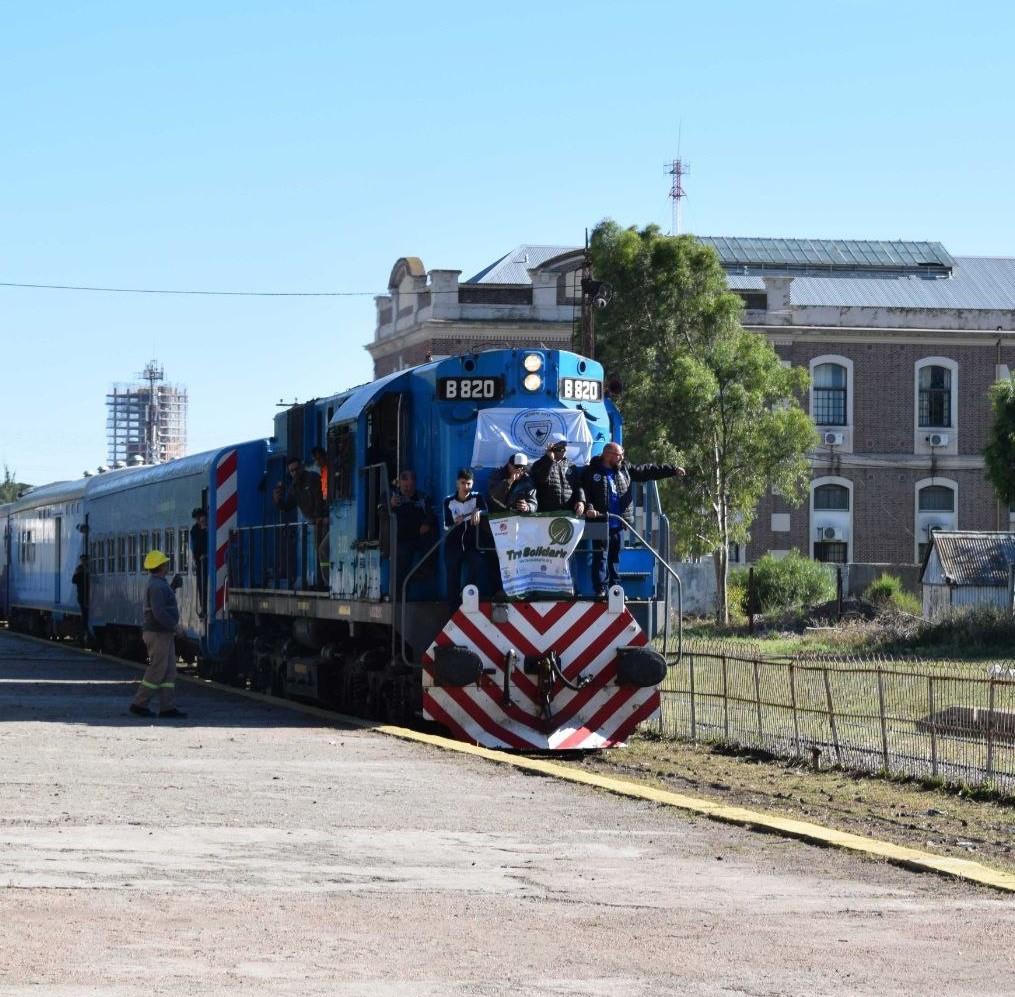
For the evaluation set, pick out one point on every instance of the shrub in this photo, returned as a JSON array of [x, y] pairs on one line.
[[976, 629], [887, 591], [787, 583]]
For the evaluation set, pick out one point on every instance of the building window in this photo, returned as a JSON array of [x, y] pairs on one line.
[[937, 498], [935, 401], [831, 497], [831, 553], [935, 510], [829, 401]]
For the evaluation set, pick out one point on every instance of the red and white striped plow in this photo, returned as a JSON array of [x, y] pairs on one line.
[[584, 635]]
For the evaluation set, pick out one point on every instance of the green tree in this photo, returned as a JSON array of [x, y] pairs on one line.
[[698, 388], [999, 452], [10, 488]]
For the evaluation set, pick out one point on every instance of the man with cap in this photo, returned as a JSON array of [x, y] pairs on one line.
[[607, 483], [558, 481], [511, 488], [161, 618]]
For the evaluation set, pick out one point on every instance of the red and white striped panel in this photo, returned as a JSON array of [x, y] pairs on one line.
[[585, 636], [225, 521]]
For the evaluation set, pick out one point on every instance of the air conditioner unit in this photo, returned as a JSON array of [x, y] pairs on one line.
[[832, 533], [933, 528], [833, 439], [938, 439]]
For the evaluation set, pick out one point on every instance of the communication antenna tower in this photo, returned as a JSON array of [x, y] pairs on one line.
[[677, 169]]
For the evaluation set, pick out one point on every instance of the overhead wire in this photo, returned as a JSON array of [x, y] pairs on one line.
[[167, 290]]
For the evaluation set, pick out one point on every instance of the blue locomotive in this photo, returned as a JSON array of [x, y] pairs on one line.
[[305, 603]]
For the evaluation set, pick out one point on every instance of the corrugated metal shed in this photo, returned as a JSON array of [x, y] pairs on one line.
[[966, 570], [969, 558]]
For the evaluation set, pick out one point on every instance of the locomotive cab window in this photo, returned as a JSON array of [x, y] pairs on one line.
[[341, 461]]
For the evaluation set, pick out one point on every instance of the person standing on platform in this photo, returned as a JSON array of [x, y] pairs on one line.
[[161, 618]]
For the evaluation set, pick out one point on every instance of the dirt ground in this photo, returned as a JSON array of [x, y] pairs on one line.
[[905, 813]]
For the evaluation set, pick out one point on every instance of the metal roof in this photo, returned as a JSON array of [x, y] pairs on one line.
[[974, 558], [828, 255], [514, 268], [973, 283], [977, 283]]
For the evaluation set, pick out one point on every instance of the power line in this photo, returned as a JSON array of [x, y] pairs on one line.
[[150, 290]]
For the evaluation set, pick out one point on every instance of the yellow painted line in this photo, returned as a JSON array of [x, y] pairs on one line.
[[802, 830], [910, 858]]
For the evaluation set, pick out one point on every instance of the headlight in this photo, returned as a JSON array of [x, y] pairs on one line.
[[532, 363], [532, 382]]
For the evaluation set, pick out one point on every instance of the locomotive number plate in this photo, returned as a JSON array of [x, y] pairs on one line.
[[581, 389], [470, 389]]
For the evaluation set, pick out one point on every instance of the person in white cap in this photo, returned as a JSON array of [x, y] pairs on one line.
[[558, 481], [511, 488], [161, 618]]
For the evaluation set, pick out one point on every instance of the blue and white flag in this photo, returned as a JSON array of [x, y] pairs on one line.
[[534, 553], [501, 432]]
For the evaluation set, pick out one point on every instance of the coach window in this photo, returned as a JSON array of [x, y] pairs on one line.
[[95, 560], [132, 553], [121, 554], [110, 555], [183, 550], [143, 546], [831, 402]]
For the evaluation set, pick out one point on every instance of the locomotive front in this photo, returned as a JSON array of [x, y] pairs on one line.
[[551, 667]]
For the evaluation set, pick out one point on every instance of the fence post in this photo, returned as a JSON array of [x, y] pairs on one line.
[[792, 699], [757, 697], [725, 700], [831, 716], [990, 729], [884, 721], [933, 724], [694, 718], [750, 600]]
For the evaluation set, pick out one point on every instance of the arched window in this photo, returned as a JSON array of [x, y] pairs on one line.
[[828, 395]]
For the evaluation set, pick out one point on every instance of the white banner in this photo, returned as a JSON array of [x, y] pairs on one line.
[[501, 432], [534, 552]]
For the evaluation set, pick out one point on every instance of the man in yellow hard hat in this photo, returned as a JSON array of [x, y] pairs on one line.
[[161, 618]]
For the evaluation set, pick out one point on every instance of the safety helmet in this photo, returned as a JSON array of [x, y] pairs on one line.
[[154, 559]]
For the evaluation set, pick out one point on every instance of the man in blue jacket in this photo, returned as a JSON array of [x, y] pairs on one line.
[[607, 486]]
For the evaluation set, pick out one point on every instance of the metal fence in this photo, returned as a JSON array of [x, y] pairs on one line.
[[901, 718]]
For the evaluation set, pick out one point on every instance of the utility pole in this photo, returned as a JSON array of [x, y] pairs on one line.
[[596, 295]]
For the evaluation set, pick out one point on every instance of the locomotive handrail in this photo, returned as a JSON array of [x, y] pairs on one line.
[[666, 602], [405, 591]]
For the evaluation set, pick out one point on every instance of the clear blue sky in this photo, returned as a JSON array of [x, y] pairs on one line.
[[305, 146]]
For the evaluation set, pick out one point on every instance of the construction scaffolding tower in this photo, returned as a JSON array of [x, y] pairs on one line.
[[146, 423]]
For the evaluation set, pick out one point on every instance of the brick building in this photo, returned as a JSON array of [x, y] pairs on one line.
[[901, 340]]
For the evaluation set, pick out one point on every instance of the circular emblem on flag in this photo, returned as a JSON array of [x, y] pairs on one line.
[[560, 531]]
